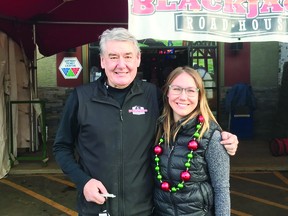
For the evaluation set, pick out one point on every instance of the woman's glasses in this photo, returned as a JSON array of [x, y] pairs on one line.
[[177, 90]]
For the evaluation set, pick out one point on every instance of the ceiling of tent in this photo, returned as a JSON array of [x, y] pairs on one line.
[[59, 24]]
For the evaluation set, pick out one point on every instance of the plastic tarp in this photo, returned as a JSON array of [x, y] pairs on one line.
[[240, 95], [4, 152], [14, 78]]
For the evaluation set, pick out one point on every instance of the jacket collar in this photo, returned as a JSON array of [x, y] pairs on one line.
[[101, 87]]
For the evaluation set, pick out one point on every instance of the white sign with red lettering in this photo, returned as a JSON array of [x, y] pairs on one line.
[[209, 20]]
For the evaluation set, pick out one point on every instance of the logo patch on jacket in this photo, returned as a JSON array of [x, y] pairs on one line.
[[138, 110]]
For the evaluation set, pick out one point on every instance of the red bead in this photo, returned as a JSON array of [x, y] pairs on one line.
[[193, 145], [165, 186], [158, 150], [185, 176], [201, 119]]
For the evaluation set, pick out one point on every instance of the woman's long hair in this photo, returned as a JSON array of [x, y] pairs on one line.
[[167, 128]]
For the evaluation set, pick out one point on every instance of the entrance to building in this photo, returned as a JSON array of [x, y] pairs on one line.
[[158, 62], [204, 55]]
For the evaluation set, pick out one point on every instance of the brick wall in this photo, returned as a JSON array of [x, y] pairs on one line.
[[54, 102]]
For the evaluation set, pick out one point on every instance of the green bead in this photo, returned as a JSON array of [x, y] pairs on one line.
[[180, 185], [157, 159], [196, 135], [159, 177], [187, 164], [173, 189], [157, 168], [198, 126], [161, 140], [190, 155]]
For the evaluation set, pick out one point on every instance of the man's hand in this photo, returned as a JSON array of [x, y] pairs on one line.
[[230, 142], [92, 190]]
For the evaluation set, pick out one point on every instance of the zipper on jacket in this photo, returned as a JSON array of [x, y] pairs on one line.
[[169, 163], [121, 202], [169, 178], [170, 151], [175, 205], [121, 115]]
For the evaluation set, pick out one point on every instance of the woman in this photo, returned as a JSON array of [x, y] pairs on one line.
[[191, 166]]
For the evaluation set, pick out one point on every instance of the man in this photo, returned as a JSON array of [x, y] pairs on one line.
[[111, 124]]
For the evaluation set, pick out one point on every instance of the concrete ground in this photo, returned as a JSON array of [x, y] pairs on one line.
[[255, 155]]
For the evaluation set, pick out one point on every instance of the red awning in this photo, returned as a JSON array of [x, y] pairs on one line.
[[59, 24]]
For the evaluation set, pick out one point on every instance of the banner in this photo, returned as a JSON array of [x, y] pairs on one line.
[[209, 20]]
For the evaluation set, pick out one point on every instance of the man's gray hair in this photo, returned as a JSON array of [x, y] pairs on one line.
[[117, 34]]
